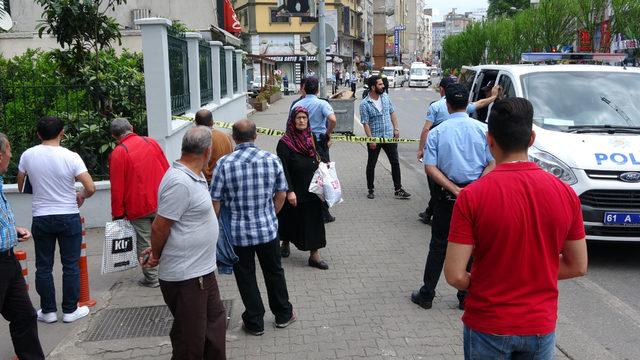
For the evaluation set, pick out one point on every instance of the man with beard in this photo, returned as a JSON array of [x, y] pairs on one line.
[[379, 119]]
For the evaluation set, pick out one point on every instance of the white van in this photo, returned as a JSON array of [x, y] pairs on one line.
[[419, 75], [395, 75], [587, 121]]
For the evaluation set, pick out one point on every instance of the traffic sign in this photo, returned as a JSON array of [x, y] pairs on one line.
[[400, 27], [330, 35]]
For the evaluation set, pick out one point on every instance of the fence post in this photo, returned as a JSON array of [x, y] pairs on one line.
[[215, 69], [229, 58], [156, 78], [193, 54], [238, 59]]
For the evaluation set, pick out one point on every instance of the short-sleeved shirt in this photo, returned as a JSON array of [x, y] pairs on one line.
[[52, 172], [8, 231], [319, 110], [190, 250], [517, 217], [379, 121], [246, 181], [438, 111], [458, 147]]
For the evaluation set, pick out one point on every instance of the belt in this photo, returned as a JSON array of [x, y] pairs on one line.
[[6, 253]]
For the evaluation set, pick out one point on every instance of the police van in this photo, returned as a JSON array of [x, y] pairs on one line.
[[587, 121]]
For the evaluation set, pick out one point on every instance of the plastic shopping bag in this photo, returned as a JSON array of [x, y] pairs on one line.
[[326, 185], [119, 251]]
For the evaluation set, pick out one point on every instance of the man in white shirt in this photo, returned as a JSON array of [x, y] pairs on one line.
[[53, 171]]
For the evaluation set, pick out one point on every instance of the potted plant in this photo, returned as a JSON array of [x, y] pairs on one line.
[[274, 94], [260, 102]]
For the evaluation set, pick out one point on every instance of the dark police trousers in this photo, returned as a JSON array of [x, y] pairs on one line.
[[442, 211], [17, 309]]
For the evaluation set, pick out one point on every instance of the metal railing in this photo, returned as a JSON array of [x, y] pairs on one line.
[[86, 112], [206, 76], [178, 73], [223, 72], [235, 73]]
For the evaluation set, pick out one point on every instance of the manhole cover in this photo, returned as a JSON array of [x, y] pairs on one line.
[[126, 323]]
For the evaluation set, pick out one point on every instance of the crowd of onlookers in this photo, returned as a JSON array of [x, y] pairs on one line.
[[503, 230]]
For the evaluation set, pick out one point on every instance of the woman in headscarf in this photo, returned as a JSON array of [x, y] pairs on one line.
[[300, 220]]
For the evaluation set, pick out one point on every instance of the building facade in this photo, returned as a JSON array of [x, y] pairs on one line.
[[200, 15], [456, 23], [438, 31], [272, 31]]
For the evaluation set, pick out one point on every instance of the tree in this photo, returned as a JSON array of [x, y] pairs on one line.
[[81, 27], [625, 18], [555, 21], [499, 8], [590, 15]]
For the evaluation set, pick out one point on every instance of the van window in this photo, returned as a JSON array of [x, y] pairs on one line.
[[419, 71], [467, 78], [507, 87]]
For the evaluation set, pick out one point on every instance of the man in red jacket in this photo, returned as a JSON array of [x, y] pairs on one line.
[[136, 167]]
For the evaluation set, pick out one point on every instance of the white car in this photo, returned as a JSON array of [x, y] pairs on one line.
[[587, 121]]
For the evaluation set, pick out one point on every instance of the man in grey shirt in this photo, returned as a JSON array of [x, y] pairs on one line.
[[183, 241]]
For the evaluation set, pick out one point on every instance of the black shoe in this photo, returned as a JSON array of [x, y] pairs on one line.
[[252, 332], [370, 195], [322, 265], [426, 218], [401, 194], [329, 218], [423, 215], [285, 250], [416, 299]]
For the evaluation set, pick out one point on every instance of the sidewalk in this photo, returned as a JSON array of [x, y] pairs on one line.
[[359, 308]]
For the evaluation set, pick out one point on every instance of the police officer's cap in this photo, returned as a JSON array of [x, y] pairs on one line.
[[448, 80], [457, 93]]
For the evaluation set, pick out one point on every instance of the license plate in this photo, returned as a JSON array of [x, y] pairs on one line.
[[618, 218]]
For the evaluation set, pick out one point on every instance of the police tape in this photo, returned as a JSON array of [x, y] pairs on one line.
[[334, 137]]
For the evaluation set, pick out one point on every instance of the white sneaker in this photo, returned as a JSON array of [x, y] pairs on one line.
[[47, 317], [80, 312]]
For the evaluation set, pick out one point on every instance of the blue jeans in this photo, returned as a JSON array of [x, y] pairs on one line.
[[481, 346], [67, 231]]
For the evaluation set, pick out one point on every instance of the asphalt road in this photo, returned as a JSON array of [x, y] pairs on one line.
[[602, 308]]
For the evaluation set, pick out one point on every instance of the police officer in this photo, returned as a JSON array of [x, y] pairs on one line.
[[456, 154], [436, 114]]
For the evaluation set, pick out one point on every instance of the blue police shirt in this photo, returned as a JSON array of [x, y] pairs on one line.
[[319, 110], [458, 148], [438, 111]]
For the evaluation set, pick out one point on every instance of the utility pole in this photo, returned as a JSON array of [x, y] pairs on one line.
[[322, 59]]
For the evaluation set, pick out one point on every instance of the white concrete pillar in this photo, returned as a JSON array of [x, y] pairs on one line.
[[193, 55], [155, 50], [228, 51], [238, 59], [215, 69]]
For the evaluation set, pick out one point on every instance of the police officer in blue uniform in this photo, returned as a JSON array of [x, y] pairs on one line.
[[436, 114], [456, 154]]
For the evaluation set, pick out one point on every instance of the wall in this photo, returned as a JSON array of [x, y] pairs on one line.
[[13, 44], [94, 209]]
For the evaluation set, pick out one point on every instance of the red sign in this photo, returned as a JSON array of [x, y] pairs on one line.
[[584, 41], [231, 22], [605, 39]]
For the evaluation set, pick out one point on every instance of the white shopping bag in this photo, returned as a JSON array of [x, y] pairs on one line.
[[119, 251], [326, 185]]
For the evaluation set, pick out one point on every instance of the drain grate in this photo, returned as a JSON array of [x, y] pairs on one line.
[[126, 323]]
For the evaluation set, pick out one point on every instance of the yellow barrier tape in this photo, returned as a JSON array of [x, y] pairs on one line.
[[344, 138]]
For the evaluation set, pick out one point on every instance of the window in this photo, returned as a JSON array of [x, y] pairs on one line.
[[507, 87], [277, 17]]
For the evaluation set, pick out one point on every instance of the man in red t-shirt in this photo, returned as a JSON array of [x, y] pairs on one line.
[[524, 229], [136, 167]]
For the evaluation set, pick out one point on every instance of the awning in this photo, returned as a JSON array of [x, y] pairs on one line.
[[219, 34]]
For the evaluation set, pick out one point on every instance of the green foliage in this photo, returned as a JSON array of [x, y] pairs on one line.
[[80, 27], [589, 16], [625, 19], [33, 87], [499, 8]]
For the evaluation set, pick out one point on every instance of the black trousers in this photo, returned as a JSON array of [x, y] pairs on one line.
[[442, 211], [392, 154], [245, 273], [199, 322], [432, 193], [16, 308]]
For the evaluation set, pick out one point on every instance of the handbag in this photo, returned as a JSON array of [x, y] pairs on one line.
[[119, 252], [325, 184]]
